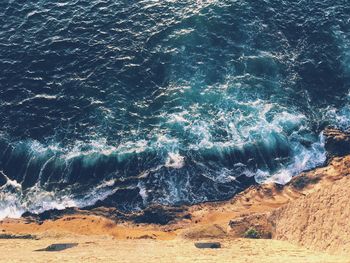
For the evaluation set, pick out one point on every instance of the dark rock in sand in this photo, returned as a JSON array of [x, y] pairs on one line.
[[58, 247], [10, 236], [161, 215], [302, 181], [207, 245]]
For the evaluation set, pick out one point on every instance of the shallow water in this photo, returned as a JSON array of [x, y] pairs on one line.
[[171, 102]]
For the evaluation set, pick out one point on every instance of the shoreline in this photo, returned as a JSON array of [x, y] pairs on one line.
[[307, 217], [208, 222]]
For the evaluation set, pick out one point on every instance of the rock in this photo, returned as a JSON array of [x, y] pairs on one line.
[[259, 222], [10, 236], [146, 237], [155, 214], [337, 142], [204, 232], [207, 245], [3, 179], [160, 215], [58, 247], [302, 181], [52, 214], [122, 199]]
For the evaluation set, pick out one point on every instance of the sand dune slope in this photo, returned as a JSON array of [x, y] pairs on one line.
[[319, 220]]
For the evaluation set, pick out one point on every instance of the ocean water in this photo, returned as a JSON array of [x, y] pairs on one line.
[[164, 102]]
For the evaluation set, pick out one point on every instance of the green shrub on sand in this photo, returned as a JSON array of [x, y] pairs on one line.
[[252, 233]]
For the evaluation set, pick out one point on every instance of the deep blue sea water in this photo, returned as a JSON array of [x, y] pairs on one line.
[[170, 102]]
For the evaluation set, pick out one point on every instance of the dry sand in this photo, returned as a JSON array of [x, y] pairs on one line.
[[107, 249]]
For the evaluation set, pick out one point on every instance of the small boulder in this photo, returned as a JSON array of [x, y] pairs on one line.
[[207, 245], [58, 247]]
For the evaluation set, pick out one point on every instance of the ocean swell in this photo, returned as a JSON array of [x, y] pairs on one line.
[[174, 102]]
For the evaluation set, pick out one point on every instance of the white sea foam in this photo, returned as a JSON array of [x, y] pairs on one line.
[[39, 96], [175, 160], [13, 202], [303, 159]]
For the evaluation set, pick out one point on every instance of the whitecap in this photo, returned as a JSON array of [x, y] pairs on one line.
[[175, 161]]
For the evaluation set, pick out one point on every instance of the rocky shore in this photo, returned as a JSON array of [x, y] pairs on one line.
[[305, 220]]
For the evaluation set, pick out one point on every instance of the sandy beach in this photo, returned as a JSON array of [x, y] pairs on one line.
[[108, 249]]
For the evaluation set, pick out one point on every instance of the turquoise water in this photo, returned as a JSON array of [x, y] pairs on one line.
[[171, 102]]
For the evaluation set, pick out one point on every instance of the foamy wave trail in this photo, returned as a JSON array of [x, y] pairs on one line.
[[134, 103]]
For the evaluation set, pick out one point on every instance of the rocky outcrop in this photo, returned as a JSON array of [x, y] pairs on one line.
[[160, 215], [257, 222], [337, 142], [209, 231]]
